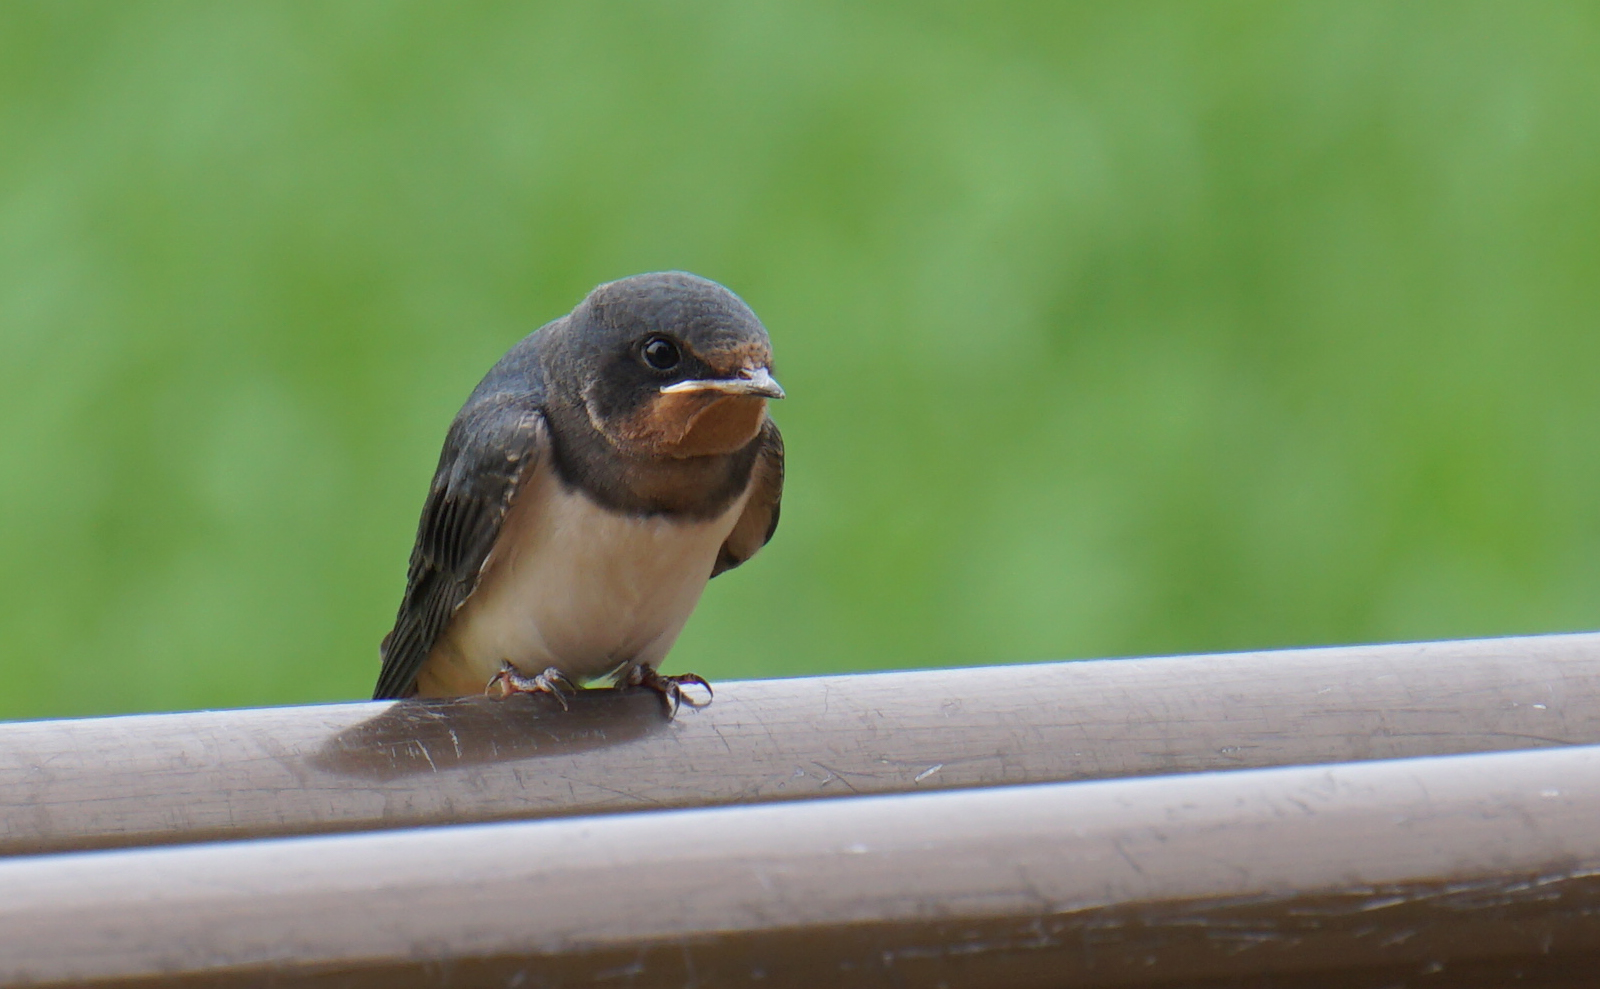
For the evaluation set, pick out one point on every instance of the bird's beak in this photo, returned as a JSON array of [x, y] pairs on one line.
[[751, 381]]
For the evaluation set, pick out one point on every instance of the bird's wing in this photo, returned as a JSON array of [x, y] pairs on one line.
[[760, 517], [490, 448]]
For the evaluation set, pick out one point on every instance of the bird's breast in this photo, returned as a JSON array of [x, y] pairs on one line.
[[573, 585]]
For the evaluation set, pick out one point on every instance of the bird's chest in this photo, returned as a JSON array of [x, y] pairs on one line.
[[576, 586]]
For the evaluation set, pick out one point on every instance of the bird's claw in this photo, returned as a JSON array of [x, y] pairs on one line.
[[510, 681], [670, 687]]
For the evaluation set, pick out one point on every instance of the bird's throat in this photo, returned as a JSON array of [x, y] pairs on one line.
[[693, 424], [721, 425]]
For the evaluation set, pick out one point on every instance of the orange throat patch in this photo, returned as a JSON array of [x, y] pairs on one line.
[[701, 424]]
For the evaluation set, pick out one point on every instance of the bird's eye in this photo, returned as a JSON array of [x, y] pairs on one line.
[[660, 353]]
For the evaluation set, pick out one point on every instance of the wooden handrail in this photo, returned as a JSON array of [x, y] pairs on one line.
[[1477, 870], [151, 779]]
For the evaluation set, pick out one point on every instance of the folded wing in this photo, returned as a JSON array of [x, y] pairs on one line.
[[493, 444], [760, 517]]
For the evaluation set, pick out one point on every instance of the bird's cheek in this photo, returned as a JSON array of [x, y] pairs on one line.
[[722, 425]]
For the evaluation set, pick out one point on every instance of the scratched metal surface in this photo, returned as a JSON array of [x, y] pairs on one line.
[[1427, 872], [186, 777]]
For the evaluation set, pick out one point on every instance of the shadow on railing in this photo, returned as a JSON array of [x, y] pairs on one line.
[[429, 736]]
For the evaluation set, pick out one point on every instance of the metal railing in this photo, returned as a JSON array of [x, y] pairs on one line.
[[1421, 814]]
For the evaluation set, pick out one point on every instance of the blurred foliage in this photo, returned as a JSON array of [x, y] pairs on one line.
[[1108, 328]]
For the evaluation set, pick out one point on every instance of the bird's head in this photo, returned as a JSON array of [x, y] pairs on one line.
[[670, 365]]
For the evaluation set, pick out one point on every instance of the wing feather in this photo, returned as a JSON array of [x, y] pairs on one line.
[[493, 444], [760, 517]]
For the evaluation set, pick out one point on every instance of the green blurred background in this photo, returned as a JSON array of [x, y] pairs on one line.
[[1108, 328]]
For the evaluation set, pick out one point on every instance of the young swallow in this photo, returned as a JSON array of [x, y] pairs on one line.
[[607, 467]]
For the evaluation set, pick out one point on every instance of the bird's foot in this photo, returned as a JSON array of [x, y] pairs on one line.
[[509, 681], [669, 687]]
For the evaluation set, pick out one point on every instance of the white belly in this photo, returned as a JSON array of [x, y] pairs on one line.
[[573, 586]]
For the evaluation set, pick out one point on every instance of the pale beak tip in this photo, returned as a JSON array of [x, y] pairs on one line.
[[764, 384]]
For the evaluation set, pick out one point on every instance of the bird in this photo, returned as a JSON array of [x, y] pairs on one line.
[[603, 471]]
